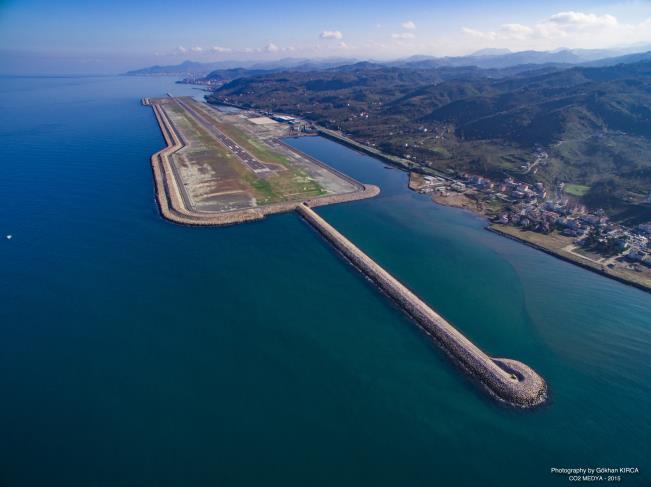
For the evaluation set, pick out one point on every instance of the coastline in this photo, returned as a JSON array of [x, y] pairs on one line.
[[469, 205], [584, 263], [464, 203], [401, 163], [174, 205]]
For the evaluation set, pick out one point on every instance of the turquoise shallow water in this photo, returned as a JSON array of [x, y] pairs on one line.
[[137, 352]]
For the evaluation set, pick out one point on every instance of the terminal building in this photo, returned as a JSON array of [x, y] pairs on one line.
[[284, 119]]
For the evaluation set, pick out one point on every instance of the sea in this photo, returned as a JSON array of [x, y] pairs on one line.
[[137, 352]]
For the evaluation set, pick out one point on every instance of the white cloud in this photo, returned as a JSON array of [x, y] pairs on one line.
[[569, 29], [505, 32], [197, 49], [403, 35], [181, 49], [515, 31], [478, 33], [271, 47], [331, 34], [343, 45], [580, 20], [408, 24], [220, 49]]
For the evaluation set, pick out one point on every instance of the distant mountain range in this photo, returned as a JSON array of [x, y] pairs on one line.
[[626, 59], [186, 68], [503, 58], [491, 51], [486, 64], [197, 70], [485, 59]]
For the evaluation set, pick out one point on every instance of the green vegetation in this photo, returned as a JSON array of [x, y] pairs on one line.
[[255, 148], [278, 188], [577, 190], [264, 190], [265, 154], [209, 149], [595, 123], [226, 173]]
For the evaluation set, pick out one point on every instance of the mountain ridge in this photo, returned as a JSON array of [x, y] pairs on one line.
[[594, 120]]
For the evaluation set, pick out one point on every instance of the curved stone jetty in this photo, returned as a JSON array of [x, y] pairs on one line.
[[508, 380]]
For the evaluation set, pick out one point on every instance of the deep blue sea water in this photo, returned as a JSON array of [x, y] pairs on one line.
[[134, 352]]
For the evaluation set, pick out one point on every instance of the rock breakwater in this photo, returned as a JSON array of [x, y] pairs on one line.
[[508, 380]]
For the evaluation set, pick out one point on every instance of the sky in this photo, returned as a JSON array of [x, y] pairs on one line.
[[93, 37]]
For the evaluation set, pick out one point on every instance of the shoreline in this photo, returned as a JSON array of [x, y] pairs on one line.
[[468, 205], [585, 265], [408, 167], [175, 206], [402, 164]]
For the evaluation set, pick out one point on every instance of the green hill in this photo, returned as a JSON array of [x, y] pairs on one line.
[[595, 122]]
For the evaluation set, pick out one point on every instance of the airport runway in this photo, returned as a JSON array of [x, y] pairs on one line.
[[251, 162]]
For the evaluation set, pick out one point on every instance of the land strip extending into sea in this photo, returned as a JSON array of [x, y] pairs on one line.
[[174, 203], [508, 380]]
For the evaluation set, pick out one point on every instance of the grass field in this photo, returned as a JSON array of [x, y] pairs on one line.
[[216, 179], [255, 147], [577, 190]]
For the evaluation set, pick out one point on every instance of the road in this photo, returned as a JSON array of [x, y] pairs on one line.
[[539, 159], [251, 162]]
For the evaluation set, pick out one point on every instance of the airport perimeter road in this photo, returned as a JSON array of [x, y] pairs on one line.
[[250, 161]]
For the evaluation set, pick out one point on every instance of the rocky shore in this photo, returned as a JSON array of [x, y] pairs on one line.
[[509, 380]]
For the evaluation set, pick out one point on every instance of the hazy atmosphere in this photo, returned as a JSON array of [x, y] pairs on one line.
[[94, 37]]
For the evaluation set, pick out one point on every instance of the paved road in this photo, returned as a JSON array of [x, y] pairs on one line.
[[250, 161]]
